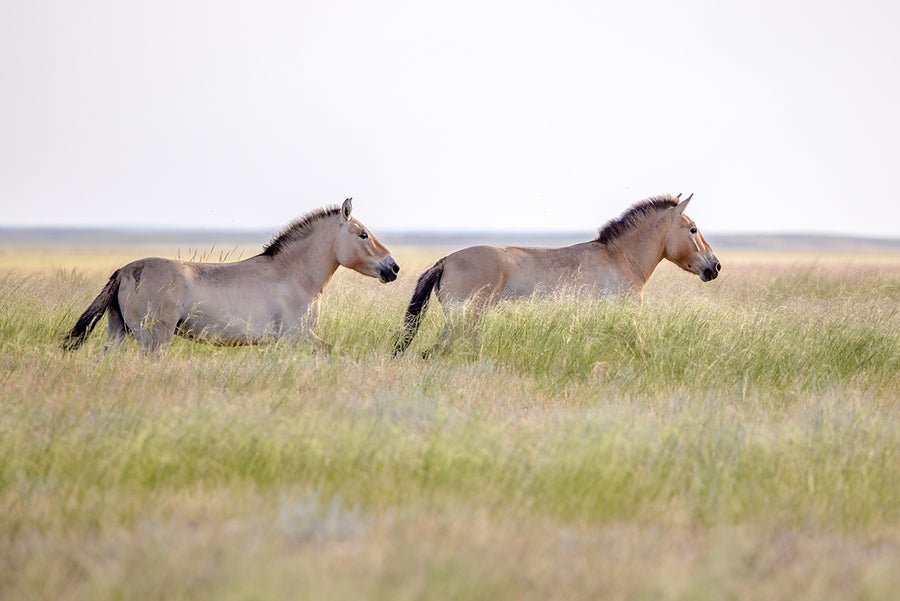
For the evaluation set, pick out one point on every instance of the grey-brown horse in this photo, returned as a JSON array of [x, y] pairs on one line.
[[619, 261], [269, 296]]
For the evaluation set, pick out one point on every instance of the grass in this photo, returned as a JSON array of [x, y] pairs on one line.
[[737, 439]]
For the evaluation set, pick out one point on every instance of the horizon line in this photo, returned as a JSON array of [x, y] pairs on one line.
[[466, 233]]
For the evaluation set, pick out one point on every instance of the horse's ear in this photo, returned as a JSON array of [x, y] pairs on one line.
[[347, 208], [683, 204]]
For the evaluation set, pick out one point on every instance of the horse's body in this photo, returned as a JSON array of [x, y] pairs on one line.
[[269, 296], [617, 263]]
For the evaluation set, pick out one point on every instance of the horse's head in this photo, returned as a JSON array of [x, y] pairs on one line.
[[686, 247], [358, 249]]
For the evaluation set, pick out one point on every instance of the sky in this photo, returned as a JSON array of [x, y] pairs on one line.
[[780, 117]]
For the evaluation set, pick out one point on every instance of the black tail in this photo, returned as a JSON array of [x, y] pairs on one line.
[[428, 281], [92, 314]]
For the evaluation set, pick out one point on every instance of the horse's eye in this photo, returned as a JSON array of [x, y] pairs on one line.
[[693, 230], [363, 234]]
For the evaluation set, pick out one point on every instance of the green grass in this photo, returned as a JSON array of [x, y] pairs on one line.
[[737, 439]]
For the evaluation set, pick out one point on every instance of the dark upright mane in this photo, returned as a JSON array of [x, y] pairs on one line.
[[633, 216], [298, 229]]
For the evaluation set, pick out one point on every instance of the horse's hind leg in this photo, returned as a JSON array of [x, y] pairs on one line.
[[151, 297], [451, 332], [153, 332], [115, 328], [154, 326], [468, 286], [460, 322]]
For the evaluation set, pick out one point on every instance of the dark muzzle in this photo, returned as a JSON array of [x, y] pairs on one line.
[[711, 273], [389, 270]]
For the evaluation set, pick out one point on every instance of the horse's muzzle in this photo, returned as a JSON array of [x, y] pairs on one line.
[[388, 270], [712, 272]]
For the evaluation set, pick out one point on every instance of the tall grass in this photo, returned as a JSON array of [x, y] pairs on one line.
[[737, 439]]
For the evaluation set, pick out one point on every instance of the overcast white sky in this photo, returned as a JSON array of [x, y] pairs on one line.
[[778, 116]]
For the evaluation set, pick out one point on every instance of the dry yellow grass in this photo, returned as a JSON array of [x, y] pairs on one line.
[[737, 439]]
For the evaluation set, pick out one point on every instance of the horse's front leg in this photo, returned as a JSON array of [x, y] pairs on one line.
[[304, 336], [318, 343], [302, 331]]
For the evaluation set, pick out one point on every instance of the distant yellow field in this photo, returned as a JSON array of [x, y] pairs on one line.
[[24, 259], [28, 258]]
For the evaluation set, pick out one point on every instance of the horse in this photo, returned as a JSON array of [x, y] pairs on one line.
[[618, 262], [272, 295]]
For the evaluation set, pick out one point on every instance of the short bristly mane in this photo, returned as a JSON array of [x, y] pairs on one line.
[[633, 216], [298, 229]]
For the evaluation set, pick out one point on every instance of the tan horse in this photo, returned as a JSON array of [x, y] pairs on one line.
[[619, 261], [269, 296]]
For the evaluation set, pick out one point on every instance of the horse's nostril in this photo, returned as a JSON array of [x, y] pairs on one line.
[[395, 268], [718, 267]]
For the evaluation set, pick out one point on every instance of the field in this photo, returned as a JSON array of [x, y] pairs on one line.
[[738, 439]]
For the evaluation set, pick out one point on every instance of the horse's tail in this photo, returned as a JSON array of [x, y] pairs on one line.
[[93, 313], [428, 281]]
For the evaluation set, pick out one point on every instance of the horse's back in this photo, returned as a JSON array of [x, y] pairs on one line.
[[499, 272], [494, 272]]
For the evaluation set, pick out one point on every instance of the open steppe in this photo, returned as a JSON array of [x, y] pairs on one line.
[[738, 439]]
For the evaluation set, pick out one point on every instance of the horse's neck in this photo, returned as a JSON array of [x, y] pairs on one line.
[[642, 248], [311, 260]]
